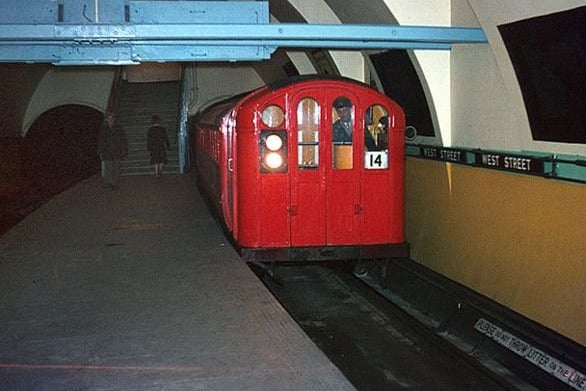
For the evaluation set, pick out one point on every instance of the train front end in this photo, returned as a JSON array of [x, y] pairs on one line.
[[319, 173]]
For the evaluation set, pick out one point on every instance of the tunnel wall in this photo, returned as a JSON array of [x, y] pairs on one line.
[[487, 106], [11, 168], [63, 86]]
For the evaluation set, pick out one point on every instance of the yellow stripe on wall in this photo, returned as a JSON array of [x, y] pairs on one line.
[[517, 239]]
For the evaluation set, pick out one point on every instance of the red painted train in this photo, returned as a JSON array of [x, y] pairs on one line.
[[311, 168]]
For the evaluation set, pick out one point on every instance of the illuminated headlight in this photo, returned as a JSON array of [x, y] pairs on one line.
[[273, 151], [274, 142], [273, 160]]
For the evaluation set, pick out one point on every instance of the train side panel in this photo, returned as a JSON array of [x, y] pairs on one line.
[[210, 149], [207, 164]]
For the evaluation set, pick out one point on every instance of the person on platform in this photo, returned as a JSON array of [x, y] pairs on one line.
[[112, 148], [157, 144]]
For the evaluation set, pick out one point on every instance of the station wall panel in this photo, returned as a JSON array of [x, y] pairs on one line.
[[516, 239]]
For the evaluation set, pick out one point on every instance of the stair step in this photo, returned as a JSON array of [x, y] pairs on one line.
[[137, 102], [150, 171]]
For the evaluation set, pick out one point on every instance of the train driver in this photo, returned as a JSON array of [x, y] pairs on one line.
[[342, 127]]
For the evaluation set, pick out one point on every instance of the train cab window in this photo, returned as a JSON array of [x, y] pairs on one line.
[[376, 138], [342, 129], [308, 116]]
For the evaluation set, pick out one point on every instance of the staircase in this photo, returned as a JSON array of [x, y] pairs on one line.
[[137, 102]]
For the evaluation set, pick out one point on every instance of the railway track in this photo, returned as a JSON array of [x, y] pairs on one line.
[[373, 342]]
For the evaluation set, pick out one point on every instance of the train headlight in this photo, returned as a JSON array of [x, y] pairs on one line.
[[273, 160], [273, 142], [273, 151]]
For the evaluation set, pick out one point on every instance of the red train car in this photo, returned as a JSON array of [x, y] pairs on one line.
[[311, 168]]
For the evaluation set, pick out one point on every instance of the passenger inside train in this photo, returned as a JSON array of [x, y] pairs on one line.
[[376, 137], [382, 137], [369, 142]]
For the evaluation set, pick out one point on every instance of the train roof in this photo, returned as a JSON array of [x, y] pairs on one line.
[[213, 112], [313, 77]]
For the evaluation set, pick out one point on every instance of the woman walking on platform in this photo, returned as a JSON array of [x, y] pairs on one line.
[[158, 143]]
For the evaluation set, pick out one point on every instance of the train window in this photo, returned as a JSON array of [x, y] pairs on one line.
[[308, 116], [376, 138], [342, 129], [273, 116]]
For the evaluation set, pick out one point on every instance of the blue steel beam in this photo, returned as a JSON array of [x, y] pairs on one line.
[[281, 32], [128, 54], [128, 44], [132, 11], [133, 31]]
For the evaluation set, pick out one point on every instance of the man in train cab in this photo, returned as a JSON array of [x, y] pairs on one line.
[[342, 128]]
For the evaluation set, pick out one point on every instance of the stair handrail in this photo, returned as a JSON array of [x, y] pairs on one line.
[[115, 91]]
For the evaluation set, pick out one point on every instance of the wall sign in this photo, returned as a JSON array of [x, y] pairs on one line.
[[554, 367], [547, 165], [526, 164], [444, 154]]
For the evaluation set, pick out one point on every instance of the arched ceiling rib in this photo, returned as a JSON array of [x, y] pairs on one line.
[[283, 11], [369, 12]]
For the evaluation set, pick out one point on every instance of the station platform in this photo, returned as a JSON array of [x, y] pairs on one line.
[[137, 288]]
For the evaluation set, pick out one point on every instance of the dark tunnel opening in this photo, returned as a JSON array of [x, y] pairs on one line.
[[60, 147], [59, 150]]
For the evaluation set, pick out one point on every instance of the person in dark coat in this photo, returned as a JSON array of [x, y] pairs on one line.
[[112, 147], [383, 135], [342, 128], [369, 143], [158, 144]]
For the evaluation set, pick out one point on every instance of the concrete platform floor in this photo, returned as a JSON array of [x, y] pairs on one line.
[[138, 289]]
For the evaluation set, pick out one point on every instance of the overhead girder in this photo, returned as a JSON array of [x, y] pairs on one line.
[[238, 34]]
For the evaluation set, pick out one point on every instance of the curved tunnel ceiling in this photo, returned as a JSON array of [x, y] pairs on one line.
[[356, 12], [350, 12], [286, 11]]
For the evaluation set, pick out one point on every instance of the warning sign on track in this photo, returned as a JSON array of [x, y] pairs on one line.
[[556, 368]]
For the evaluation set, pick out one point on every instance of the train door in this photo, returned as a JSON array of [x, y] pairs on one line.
[[325, 176], [376, 187], [343, 169], [308, 187]]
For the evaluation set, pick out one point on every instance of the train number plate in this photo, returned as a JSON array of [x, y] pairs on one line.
[[376, 160]]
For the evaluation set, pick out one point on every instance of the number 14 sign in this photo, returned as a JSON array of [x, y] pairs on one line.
[[376, 160]]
